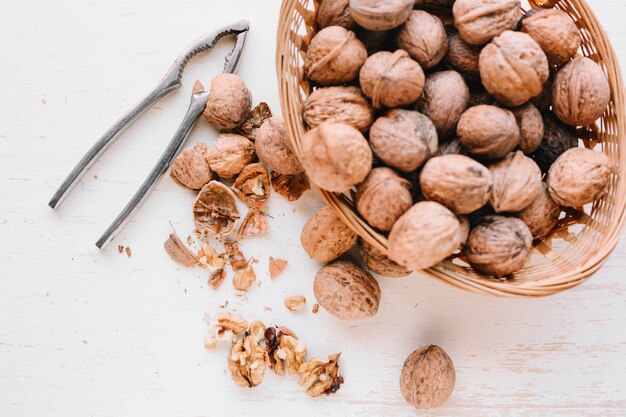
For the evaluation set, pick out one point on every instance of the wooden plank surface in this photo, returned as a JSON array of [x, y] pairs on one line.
[[90, 333]]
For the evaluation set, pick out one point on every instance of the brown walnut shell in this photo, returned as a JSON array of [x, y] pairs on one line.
[[250, 127], [499, 245], [335, 13], [383, 197], [338, 105], [290, 186], [380, 15], [379, 263], [252, 186], [453, 147], [578, 177], [325, 237], [488, 131], [375, 41], [336, 156], [230, 155], [557, 138], [580, 93], [424, 236], [229, 102], [462, 56], [516, 183], [274, 148], [444, 99], [403, 139], [347, 291], [530, 125], [554, 31], [427, 378], [458, 182], [215, 210], [191, 168], [479, 21], [423, 37], [335, 56], [542, 215], [513, 68]]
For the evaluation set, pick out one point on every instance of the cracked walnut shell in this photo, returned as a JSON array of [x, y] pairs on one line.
[[542, 215], [424, 38], [479, 21], [516, 183], [290, 186], [250, 127], [252, 186], [554, 31], [274, 149], [488, 131], [338, 105], [229, 102], [379, 263], [254, 224], [324, 236], [427, 378], [380, 15], [215, 210], [230, 155], [191, 167], [347, 291]]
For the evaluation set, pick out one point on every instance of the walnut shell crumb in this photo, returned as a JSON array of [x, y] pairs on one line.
[[179, 253], [277, 266], [295, 302]]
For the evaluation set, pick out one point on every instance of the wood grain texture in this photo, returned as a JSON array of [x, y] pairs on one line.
[[90, 333]]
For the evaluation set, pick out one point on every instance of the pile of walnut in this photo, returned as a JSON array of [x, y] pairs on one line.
[[255, 347], [444, 118]]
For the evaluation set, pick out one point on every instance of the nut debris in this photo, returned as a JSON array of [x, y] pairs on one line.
[[316, 308], [235, 257], [179, 253], [244, 278], [216, 279], [295, 302], [290, 186], [224, 328], [250, 127], [129, 253], [321, 377], [277, 266], [254, 224]]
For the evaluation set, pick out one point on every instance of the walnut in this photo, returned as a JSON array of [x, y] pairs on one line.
[[462, 56], [542, 215], [530, 125], [403, 139], [580, 93], [424, 236], [424, 38], [335, 56], [276, 267], [321, 377], [324, 236], [392, 79], [224, 328], [246, 362], [513, 68], [557, 138], [335, 13], [215, 210], [252, 186], [453, 147], [250, 127], [336, 156], [383, 197], [191, 168], [578, 177], [295, 302], [244, 278], [456, 181], [379, 263], [285, 352], [436, 6], [444, 99], [347, 291], [427, 378], [230, 155], [254, 224], [516, 183], [480, 21], [464, 230], [338, 105], [179, 253], [229, 102], [499, 245], [554, 31], [290, 186], [380, 15], [274, 149], [488, 131]]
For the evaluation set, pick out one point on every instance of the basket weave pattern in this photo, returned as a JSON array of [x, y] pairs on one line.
[[584, 237]]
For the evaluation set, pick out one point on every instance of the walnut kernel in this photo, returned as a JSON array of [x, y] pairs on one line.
[[321, 377], [252, 186], [295, 302]]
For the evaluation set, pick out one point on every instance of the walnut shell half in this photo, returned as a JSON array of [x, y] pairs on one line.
[[427, 378], [215, 210], [252, 186], [325, 237], [191, 168]]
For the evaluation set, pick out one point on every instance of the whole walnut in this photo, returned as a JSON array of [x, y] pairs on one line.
[[578, 177], [338, 105], [230, 155], [335, 13], [274, 149], [530, 125], [513, 68], [463, 57], [380, 15], [444, 99], [229, 102], [554, 31], [453, 147], [479, 21], [488, 131], [580, 93], [458, 182], [423, 37], [542, 215], [347, 291], [377, 262], [424, 236], [392, 79], [557, 138], [335, 56], [325, 237], [516, 183], [336, 156], [427, 378], [403, 139], [383, 197], [191, 168], [498, 245]]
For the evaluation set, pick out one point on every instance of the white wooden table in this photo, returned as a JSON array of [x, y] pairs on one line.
[[90, 333]]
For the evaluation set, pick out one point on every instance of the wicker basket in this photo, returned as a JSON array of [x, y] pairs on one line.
[[584, 237]]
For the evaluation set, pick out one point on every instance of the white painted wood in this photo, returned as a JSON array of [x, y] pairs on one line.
[[90, 333]]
